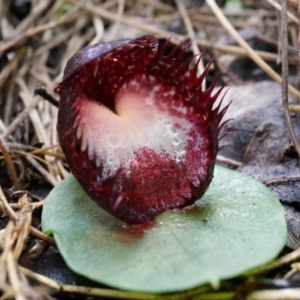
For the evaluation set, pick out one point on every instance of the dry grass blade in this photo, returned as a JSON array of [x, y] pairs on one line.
[[13, 283], [13, 216], [292, 294], [20, 118], [192, 36], [9, 163], [284, 260], [228, 161], [118, 20], [35, 13], [294, 108], [87, 291], [49, 177], [285, 74], [100, 11], [278, 7], [224, 21], [6, 45]]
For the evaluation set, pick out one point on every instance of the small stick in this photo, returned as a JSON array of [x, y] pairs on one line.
[[20, 118], [277, 263], [285, 74], [228, 161], [99, 29], [252, 54], [38, 9], [120, 13], [96, 10], [14, 217], [88, 291], [41, 91], [189, 27], [9, 163], [294, 108], [49, 177], [280, 180], [6, 45], [278, 7], [290, 293]]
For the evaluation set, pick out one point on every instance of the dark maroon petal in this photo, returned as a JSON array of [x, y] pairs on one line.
[[138, 132]]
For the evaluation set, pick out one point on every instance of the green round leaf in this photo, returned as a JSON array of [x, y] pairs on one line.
[[236, 226]]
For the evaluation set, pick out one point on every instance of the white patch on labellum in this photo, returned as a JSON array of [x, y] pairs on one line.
[[114, 138]]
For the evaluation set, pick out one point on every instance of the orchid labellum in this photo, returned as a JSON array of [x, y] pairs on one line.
[[138, 132]]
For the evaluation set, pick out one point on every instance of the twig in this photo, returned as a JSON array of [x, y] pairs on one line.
[[228, 161], [287, 294], [13, 277], [33, 113], [280, 180], [17, 146], [192, 35], [7, 207], [38, 234], [100, 11], [118, 21], [19, 55], [278, 7], [6, 45], [9, 163], [59, 39], [14, 217], [235, 50], [41, 91], [294, 108], [7, 70], [99, 28], [88, 291], [13, 283], [95, 10], [285, 74], [50, 178], [110, 293], [284, 260], [35, 13], [20, 118], [159, 5], [224, 21]]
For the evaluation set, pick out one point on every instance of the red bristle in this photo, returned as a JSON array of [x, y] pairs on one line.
[[179, 57], [162, 49], [195, 69]]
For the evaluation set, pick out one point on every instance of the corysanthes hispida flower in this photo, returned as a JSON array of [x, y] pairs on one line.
[[138, 132]]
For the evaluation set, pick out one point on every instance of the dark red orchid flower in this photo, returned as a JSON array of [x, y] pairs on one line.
[[137, 130]]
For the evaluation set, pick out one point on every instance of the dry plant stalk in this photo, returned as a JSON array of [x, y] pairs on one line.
[[285, 74], [13, 282], [9, 163]]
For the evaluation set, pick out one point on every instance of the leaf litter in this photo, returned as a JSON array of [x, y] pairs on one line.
[[35, 46]]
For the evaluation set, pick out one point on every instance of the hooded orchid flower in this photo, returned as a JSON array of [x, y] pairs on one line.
[[138, 132]]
